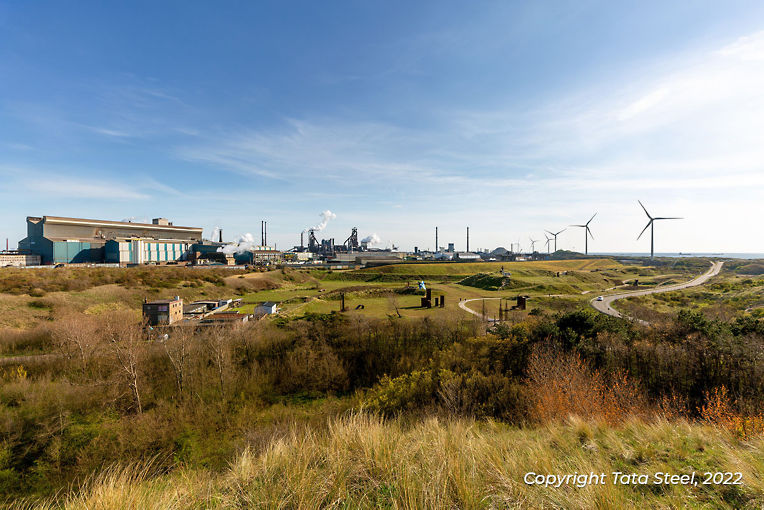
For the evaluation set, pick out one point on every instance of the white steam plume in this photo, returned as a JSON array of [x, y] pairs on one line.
[[371, 240], [135, 219], [325, 217], [243, 244], [215, 234]]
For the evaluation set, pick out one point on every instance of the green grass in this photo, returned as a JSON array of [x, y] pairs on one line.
[[318, 291], [436, 269]]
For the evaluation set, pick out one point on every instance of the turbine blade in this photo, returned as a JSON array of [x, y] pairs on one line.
[[643, 230], [643, 208], [560, 232], [668, 218], [576, 225], [590, 219], [590, 232]]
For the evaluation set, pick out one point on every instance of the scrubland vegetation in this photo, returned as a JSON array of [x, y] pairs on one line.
[[733, 293], [342, 410]]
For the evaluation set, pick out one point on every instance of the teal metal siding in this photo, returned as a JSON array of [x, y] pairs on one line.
[[111, 251], [76, 253]]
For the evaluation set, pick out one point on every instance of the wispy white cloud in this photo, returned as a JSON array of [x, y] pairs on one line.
[[689, 137], [749, 48]]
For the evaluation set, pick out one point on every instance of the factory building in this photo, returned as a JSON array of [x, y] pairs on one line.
[[261, 255], [145, 251], [74, 240], [18, 259], [211, 252]]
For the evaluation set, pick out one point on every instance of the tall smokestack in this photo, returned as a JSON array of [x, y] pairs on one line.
[[302, 243], [220, 235], [265, 235], [468, 238], [262, 232], [436, 239]]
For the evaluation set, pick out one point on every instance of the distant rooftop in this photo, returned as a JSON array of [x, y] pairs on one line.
[[161, 225]]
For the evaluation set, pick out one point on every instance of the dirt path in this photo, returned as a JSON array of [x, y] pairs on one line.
[[24, 360], [605, 306], [463, 306]]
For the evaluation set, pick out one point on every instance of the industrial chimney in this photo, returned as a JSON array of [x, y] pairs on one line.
[[436, 239], [220, 235], [468, 239]]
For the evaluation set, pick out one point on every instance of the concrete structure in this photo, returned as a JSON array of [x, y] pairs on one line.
[[75, 240], [18, 259], [468, 257], [163, 312], [267, 308]]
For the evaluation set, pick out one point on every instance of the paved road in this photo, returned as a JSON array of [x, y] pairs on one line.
[[604, 306]]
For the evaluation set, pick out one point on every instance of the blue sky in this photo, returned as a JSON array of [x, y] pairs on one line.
[[508, 117]]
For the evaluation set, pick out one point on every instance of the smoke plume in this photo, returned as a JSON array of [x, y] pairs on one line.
[[243, 244], [371, 240], [325, 217]]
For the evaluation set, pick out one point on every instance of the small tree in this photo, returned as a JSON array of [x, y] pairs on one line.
[[177, 347], [124, 337], [77, 338], [218, 348]]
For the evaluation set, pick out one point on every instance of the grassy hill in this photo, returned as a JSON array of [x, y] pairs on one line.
[[469, 268]]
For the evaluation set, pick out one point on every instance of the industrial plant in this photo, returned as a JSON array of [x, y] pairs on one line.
[[54, 240]]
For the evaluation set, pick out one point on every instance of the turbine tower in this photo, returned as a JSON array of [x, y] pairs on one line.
[[548, 243], [587, 233], [651, 224], [555, 237]]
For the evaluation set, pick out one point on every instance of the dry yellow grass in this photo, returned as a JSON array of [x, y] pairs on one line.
[[362, 461]]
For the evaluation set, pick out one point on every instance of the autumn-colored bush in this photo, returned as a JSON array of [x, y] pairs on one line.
[[719, 410], [560, 384]]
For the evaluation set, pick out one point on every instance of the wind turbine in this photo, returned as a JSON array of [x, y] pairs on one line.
[[555, 237], [587, 231], [652, 228], [548, 243], [533, 245]]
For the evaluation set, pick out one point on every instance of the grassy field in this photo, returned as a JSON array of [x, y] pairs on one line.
[[363, 462], [386, 290], [33, 298]]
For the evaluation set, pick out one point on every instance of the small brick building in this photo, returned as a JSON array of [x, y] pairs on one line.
[[163, 311]]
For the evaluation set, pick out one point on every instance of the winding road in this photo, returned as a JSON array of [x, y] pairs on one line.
[[604, 306]]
